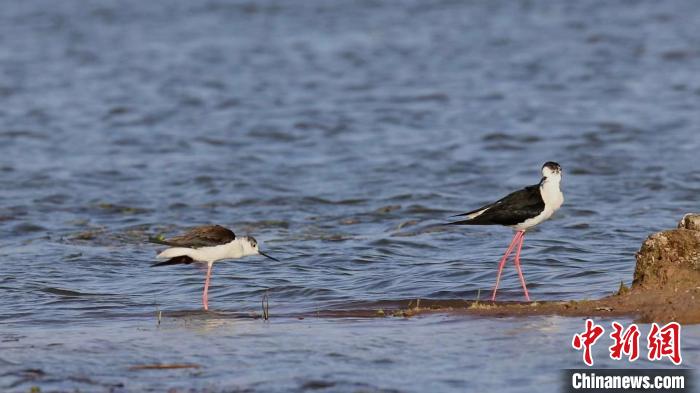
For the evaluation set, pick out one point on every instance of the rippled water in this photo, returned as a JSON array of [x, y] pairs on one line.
[[339, 134]]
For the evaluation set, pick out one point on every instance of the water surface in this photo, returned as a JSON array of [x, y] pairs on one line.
[[338, 134]]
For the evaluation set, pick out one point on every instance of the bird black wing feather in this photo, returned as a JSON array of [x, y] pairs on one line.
[[204, 236], [477, 210], [182, 259], [513, 209]]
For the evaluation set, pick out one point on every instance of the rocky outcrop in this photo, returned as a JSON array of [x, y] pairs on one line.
[[670, 260], [690, 221]]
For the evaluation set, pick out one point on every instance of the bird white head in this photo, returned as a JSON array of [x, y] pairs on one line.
[[250, 247], [551, 171]]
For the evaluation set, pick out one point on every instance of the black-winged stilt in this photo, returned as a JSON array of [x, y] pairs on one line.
[[521, 210], [209, 244]]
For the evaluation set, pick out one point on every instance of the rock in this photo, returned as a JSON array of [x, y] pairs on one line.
[[670, 257], [690, 221]]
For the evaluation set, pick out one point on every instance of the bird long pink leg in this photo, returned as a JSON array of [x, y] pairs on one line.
[[516, 238], [205, 297], [517, 266]]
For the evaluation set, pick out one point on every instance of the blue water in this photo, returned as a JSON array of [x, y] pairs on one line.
[[339, 134]]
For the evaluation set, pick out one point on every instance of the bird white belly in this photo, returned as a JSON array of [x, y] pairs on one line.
[[231, 250], [212, 254], [531, 222]]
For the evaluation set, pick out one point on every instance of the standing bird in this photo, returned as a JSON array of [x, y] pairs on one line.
[[520, 210], [209, 243]]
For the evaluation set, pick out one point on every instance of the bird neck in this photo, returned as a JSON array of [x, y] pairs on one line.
[[550, 183], [551, 193], [241, 248]]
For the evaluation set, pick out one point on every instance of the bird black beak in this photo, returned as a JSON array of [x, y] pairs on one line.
[[265, 255]]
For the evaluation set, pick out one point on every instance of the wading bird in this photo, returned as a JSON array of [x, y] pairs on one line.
[[208, 244], [520, 210]]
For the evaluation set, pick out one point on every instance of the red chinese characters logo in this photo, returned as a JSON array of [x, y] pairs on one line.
[[587, 339], [665, 341], [662, 342], [625, 343]]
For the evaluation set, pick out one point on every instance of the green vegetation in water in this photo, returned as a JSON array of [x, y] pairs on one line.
[[623, 289]]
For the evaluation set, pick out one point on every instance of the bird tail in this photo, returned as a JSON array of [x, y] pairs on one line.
[[462, 222], [175, 256], [182, 259], [474, 217]]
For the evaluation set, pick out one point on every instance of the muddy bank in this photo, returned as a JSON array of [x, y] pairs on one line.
[[665, 287]]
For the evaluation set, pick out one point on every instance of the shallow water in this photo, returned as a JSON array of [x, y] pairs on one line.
[[339, 135], [436, 353]]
